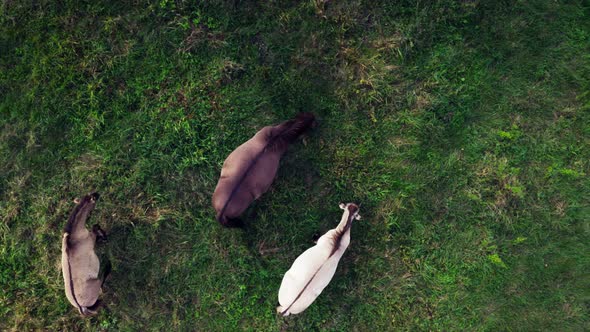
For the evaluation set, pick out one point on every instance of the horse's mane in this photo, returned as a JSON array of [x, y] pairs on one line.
[[352, 209]]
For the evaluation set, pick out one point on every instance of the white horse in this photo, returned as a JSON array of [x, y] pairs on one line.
[[312, 271]]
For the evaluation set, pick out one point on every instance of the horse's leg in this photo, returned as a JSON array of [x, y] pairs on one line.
[[93, 286], [99, 233], [106, 270]]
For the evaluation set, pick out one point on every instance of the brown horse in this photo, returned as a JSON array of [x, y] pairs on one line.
[[80, 265], [250, 169]]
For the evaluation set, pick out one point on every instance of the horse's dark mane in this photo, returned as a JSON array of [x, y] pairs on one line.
[[352, 208]]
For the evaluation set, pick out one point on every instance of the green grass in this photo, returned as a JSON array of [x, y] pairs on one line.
[[463, 129]]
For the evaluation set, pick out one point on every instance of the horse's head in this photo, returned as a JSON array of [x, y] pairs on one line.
[[88, 199], [81, 211], [352, 209]]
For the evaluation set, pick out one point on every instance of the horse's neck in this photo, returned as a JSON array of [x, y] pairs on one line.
[[342, 225], [79, 230]]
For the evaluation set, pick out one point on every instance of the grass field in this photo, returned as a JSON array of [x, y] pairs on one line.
[[462, 127]]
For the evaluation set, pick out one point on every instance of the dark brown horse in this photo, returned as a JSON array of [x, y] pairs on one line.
[[250, 169]]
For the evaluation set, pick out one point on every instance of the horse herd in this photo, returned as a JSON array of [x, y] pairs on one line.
[[247, 173]]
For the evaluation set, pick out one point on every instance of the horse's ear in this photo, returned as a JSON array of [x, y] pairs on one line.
[[76, 200], [342, 206]]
